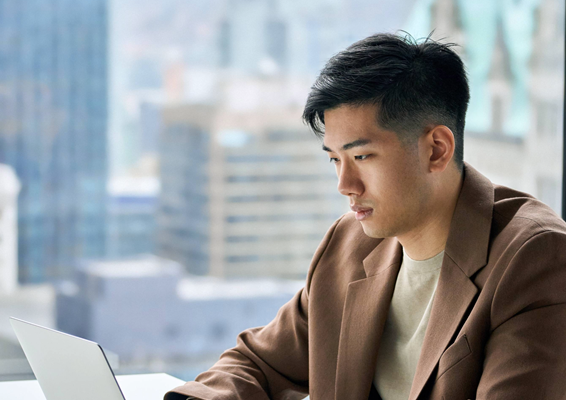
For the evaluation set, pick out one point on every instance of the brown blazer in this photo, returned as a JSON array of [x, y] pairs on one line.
[[497, 329]]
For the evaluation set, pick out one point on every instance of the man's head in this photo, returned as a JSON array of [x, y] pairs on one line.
[[391, 112], [412, 85]]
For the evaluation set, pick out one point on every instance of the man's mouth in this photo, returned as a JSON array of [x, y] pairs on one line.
[[361, 212]]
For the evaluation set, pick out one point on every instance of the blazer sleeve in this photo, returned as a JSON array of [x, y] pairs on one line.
[[270, 362], [525, 356]]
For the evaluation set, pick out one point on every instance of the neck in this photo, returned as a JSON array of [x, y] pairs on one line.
[[429, 238]]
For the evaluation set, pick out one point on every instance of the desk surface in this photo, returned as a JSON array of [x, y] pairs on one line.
[[134, 387]]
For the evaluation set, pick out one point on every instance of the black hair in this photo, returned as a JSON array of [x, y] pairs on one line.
[[412, 84]]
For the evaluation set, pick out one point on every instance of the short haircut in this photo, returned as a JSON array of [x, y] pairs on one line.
[[412, 84]]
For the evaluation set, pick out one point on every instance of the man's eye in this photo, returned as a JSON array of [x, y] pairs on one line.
[[361, 157], [333, 160]]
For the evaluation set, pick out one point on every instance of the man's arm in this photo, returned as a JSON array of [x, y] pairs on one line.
[[269, 362], [265, 363], [525, 357]]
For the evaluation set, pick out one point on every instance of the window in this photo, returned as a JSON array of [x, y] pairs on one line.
[[203, 100]]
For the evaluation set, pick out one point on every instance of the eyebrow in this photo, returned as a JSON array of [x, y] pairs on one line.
[[348, 146]]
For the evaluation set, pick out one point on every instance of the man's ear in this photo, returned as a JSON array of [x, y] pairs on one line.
[[441, 145]]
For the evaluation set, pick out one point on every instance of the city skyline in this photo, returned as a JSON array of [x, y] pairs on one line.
[[270, 76]]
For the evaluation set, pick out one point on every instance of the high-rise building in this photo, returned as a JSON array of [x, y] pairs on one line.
[[53, 118], [245, 188], [278, 198]]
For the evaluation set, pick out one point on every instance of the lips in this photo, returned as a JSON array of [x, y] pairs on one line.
[[361, 212]]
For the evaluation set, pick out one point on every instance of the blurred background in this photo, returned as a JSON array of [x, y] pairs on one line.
[[158, 190]]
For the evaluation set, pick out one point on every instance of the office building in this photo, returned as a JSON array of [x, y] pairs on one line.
[[275, 194], [246, 189], [147, 309], [9, 189], [53, 117]]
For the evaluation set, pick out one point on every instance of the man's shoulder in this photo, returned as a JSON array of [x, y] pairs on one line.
[[527, 263], [521, 215]]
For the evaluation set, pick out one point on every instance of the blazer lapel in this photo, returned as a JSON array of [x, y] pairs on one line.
[[454, 294], [365, 312], [466, 252]]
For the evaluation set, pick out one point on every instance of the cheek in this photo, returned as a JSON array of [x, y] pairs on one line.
[[394, 187], [400, 193]]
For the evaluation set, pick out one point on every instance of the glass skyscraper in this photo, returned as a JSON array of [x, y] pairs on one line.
[[53, 117]]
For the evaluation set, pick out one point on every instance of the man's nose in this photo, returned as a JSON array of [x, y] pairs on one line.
[[349, 182]]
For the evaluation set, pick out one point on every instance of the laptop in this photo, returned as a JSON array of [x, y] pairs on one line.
[[65, 366]]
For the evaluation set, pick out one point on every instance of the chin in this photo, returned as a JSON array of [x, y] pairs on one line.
[[373, 231]]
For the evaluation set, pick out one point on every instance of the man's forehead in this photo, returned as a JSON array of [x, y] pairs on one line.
[[354, 126]]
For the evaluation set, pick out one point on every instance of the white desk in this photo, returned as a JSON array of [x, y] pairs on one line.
[[134, 387]]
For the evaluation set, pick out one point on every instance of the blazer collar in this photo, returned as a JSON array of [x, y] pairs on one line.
[[468, 238], [388, 252], [363, 319], [465, 253]]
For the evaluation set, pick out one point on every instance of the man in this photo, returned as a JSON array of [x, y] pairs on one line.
[[439, 285]]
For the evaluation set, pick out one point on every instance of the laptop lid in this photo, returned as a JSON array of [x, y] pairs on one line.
[[66, 367]]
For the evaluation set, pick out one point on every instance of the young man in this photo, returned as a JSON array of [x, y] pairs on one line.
[[439, 285]]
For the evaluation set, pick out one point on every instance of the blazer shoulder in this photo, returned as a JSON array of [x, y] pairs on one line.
[[523, 214]]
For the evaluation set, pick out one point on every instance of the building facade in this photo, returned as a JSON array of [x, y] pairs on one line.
[[160, 313], [267, 193], [53, 117]]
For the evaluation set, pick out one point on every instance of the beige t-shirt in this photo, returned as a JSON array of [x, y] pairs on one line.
[[405, 327]]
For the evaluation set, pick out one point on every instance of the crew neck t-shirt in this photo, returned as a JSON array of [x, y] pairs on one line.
[[405, 327]]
